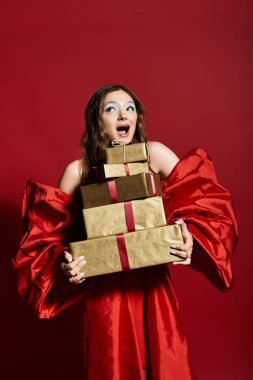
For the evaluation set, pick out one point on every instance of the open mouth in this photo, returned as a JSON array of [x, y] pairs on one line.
[[123, 130]]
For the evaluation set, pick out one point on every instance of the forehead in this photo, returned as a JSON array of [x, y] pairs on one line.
[[119, 96]]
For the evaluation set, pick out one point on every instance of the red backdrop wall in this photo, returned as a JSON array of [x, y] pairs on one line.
[[190, 62]]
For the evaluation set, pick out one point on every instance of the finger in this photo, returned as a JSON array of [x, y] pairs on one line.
[[80, 276], [74, 267], [185, 232], [183, 228], [68, 256], [185, 262], [187, 237], [75, 262], [182, 247], [82, 263], [74, 271], [65, 268], [77, 279], [182, 254]]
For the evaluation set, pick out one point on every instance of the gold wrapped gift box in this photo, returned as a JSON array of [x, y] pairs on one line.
[[123, 189], [128, 251], [127, 153], [105, 171], [120, 218]]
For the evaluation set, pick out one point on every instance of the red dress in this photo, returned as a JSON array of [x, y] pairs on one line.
[[133, 314]]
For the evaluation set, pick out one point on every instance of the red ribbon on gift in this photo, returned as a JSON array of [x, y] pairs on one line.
[[129, 216], [121, 239], [113, 191], [122, 252], [127, 206], [127, 169]]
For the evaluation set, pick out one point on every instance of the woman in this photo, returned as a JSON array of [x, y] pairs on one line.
[[131, 319], [119, 114]]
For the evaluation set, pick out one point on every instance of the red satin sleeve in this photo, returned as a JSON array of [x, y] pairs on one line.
[[49, 224], [192, 193]]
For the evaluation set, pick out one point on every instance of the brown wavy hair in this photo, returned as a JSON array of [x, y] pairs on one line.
[[95, 140]]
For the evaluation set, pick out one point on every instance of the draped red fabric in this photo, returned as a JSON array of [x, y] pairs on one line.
[[49, 223], [193, 194], [131, 319]]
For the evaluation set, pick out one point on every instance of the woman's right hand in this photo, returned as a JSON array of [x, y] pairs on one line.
[[72, 268]]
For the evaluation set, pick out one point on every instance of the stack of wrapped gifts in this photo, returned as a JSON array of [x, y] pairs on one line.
[[124, 216]]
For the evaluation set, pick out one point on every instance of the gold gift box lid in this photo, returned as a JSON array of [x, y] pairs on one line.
[[136, 186], [127, 153]]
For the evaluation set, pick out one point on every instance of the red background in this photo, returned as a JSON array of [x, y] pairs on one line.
[[190, 62]]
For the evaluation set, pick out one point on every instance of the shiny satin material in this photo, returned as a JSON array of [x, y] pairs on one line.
[[133, 315], [192, 193]]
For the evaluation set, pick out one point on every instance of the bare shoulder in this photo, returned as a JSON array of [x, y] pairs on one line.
[[71, 177], [162, 159], [156, 147]]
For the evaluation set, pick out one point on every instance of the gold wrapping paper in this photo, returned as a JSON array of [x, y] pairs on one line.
[[127, 153], [144, 248], [111, 219], [118, 170], [128, 188]]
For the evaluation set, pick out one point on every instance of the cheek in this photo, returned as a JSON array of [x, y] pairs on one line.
[[105, 122], [134, 118]]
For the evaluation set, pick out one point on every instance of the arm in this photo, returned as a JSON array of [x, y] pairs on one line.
[[192, 193], [50, 222], [162, 159], [70, 178], [69, 183]]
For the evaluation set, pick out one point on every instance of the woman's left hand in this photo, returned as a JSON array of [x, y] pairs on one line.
[[183, 250]]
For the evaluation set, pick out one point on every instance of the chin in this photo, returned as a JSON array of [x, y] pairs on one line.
[[126, 140]]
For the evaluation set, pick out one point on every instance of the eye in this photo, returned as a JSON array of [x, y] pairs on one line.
[[110, 109], [131, 108]]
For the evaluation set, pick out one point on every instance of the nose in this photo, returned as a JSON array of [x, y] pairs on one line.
[[122, 114]]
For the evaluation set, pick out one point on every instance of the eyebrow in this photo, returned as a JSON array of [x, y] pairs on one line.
[[112, 102]]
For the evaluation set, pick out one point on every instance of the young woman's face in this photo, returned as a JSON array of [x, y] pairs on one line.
[[119, 116]]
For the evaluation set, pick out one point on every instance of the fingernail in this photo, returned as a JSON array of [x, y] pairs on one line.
[[81, 274], [81, 258], [173, 246], [173, 252]]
